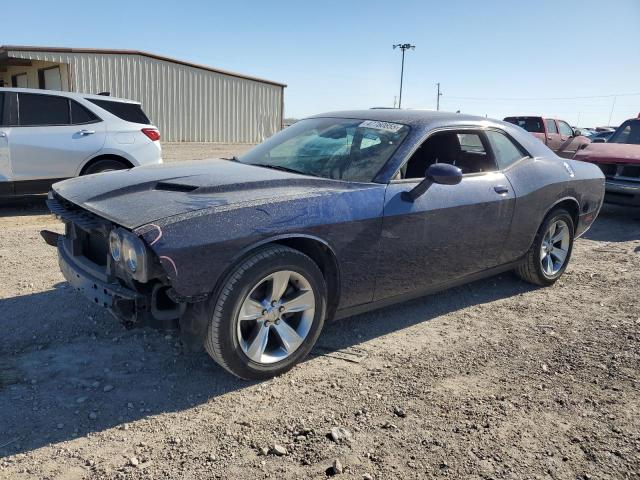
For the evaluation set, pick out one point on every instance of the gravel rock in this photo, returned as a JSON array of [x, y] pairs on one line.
[[278, 450], [340, 435], [108, 388], [336, 468], [399, 412]]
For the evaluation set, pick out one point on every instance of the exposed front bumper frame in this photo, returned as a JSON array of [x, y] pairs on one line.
[[124, 303]]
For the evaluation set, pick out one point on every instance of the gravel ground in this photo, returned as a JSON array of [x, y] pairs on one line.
[[174, 152], [496, 379]]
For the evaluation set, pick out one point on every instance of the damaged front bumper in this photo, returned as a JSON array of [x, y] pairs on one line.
[[126, 304]]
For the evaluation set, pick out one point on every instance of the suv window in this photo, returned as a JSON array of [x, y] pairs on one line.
[[39, 110], [2, 113], [129, 112], [505, 151], [565, 129], [80, 114], [551, 125]]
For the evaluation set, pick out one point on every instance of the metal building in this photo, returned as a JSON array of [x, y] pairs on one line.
[[186, 101]]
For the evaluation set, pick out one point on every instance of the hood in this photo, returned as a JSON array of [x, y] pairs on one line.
[[135, 197], [610, 153]]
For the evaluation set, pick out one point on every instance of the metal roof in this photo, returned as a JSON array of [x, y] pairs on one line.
[[26, 48]]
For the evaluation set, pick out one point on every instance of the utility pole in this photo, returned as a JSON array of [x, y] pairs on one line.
[[395, 99], [403, 47], [438, 97]]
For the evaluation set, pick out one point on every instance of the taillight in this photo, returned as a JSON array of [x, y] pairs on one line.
[[152, 133]]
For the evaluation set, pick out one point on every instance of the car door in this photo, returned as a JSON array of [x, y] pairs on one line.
[[447, 233], [553, 136], [46, 144], [570, 141]]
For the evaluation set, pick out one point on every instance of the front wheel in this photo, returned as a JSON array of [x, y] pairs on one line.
[[549, 255], [268, 315]]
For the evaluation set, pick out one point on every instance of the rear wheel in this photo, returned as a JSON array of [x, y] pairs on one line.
[[549, 255], [268, 315], [106, 165]]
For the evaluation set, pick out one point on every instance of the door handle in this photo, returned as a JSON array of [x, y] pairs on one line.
[[501, 189], [84, 133]]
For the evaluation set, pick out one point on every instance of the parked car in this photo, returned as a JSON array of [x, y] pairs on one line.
[[585, 132], [46, 136], [604, 136], [556, 134], [251, 257], [619, 160]]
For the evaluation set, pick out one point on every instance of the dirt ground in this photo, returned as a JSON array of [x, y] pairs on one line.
[[496, 379]]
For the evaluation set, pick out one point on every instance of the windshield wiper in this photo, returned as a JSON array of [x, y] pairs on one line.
[[284, 169]]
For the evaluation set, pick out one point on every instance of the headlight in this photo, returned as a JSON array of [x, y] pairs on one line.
[[115, 245], [129, 253], [131, 247]]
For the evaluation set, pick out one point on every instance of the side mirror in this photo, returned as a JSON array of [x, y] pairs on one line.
[[442, 173], [599, 140]]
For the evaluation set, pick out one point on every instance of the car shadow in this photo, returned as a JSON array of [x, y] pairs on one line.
[[68, 368], [23, 206], [612, 224]]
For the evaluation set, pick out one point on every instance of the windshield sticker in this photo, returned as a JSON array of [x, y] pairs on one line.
[[390, 127]]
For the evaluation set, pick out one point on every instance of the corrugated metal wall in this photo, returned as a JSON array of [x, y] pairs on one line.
[[186, 103]]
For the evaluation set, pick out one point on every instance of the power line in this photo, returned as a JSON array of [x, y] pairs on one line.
[[546, 98]]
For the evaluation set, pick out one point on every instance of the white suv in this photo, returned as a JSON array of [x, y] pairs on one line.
[[46, 136]]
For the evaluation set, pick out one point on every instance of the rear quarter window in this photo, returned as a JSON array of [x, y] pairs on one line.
[[80, 115], [129, 112]]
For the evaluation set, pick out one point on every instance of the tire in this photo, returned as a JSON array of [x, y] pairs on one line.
[[106, 165], [229, 340], [535, 267]]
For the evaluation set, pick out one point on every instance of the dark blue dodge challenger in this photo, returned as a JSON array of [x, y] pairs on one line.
[[335, 215]]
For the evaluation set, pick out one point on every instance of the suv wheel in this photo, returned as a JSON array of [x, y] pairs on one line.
[[105, 165], [268, 315]]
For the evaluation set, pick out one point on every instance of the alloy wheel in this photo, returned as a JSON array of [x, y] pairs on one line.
[[555, 248], [276, 317]]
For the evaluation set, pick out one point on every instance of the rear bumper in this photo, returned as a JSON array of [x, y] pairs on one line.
[[622, 192]]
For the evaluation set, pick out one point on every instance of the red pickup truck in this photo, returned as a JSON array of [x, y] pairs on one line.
[[556, 134], [619, 160]]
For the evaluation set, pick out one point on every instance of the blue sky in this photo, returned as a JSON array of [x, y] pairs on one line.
[[507, 57]]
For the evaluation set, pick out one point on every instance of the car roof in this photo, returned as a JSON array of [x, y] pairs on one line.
[[413, 118], [422, 121], [74, 95]]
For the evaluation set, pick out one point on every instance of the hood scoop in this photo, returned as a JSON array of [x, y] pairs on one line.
[[175, 187]]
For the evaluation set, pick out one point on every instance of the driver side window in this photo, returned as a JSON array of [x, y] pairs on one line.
[[466, 149]]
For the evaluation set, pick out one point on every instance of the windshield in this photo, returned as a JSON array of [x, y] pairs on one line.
[[339, 148], [628, 132]]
